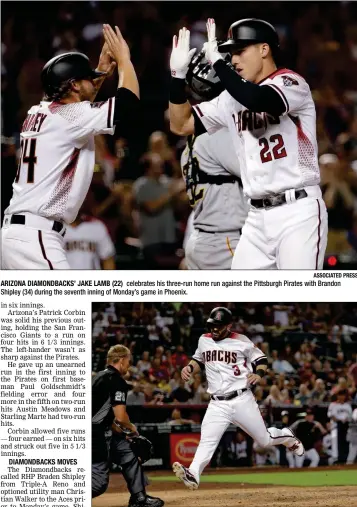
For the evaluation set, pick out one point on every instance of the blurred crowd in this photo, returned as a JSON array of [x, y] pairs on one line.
[[311, 349], [137, 189], [312, 354]]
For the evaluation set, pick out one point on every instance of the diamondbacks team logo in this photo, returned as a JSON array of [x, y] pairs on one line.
[[289, 81]]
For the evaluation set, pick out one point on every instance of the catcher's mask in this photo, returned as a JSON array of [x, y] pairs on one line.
[[202, 78], [219, 323]]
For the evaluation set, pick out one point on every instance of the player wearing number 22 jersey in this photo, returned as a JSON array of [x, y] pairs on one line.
[[57, 159], [230, 360], [271, 118]]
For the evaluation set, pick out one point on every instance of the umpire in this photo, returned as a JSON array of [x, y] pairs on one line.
[[109, 392]]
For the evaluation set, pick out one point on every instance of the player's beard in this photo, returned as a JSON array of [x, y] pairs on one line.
[[220, 333], [86, 90]]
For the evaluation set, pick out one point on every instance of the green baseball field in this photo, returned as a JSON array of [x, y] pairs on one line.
[[322, 487], [308, 478]]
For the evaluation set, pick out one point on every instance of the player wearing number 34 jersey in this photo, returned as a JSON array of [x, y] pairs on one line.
[[57, 152], [229, 360], [271, 118]]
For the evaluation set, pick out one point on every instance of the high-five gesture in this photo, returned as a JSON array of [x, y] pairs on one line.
[[117, 45], [210, 47], [106, 64], [181, 54], [119, 51]]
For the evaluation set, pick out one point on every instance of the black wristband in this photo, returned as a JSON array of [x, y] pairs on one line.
[[178, 91], [190, 366], [261, 373]]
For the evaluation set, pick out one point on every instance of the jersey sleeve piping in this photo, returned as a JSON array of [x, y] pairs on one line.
[[198, 111], [110, 119], [259, 358]]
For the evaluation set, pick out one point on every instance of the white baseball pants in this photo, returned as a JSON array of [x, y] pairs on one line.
[[34, 246], [291, 236], [242, 411], [352, 454], [312, 455]]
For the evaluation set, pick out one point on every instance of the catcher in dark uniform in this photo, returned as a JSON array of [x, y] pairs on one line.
[[114, 437]]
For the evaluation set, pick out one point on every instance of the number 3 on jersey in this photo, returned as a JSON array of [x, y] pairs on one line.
[[28, 158], [236, 370], [278, 150]]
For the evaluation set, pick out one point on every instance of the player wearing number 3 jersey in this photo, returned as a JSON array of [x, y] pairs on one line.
[[229, 360], [57, 152], [271, 118]]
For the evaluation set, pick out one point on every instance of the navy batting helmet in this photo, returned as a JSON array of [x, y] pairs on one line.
[[219, 322], [202, 78], [65, 67], [248, 31]]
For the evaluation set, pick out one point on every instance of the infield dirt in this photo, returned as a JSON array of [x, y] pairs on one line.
[[233, 495]]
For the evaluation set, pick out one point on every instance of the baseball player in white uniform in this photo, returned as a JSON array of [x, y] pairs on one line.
[[57, 152], [229, 360], [352, 439], [213, 184], [271, 118], [88, 244], [338, 411]]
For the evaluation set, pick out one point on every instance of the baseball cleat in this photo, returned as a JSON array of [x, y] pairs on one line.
[[185, 476], [296, 448], [143, 500]]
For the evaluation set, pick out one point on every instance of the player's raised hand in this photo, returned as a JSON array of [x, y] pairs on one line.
[[211, 48], [186, 373], [181, 54], [106, 63], [117, 45]]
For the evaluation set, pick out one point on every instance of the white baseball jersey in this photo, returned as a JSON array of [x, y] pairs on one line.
[[227, 362], [57, 157], [280, 153], [87, 244], [217, 208], [341, 411]]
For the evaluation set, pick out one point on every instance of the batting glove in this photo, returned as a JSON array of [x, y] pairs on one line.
[[181, 54], [210, 48]]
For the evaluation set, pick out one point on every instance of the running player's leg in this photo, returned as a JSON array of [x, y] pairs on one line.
[[214, 424], [253, 250], [303, 243], [246, 414]]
